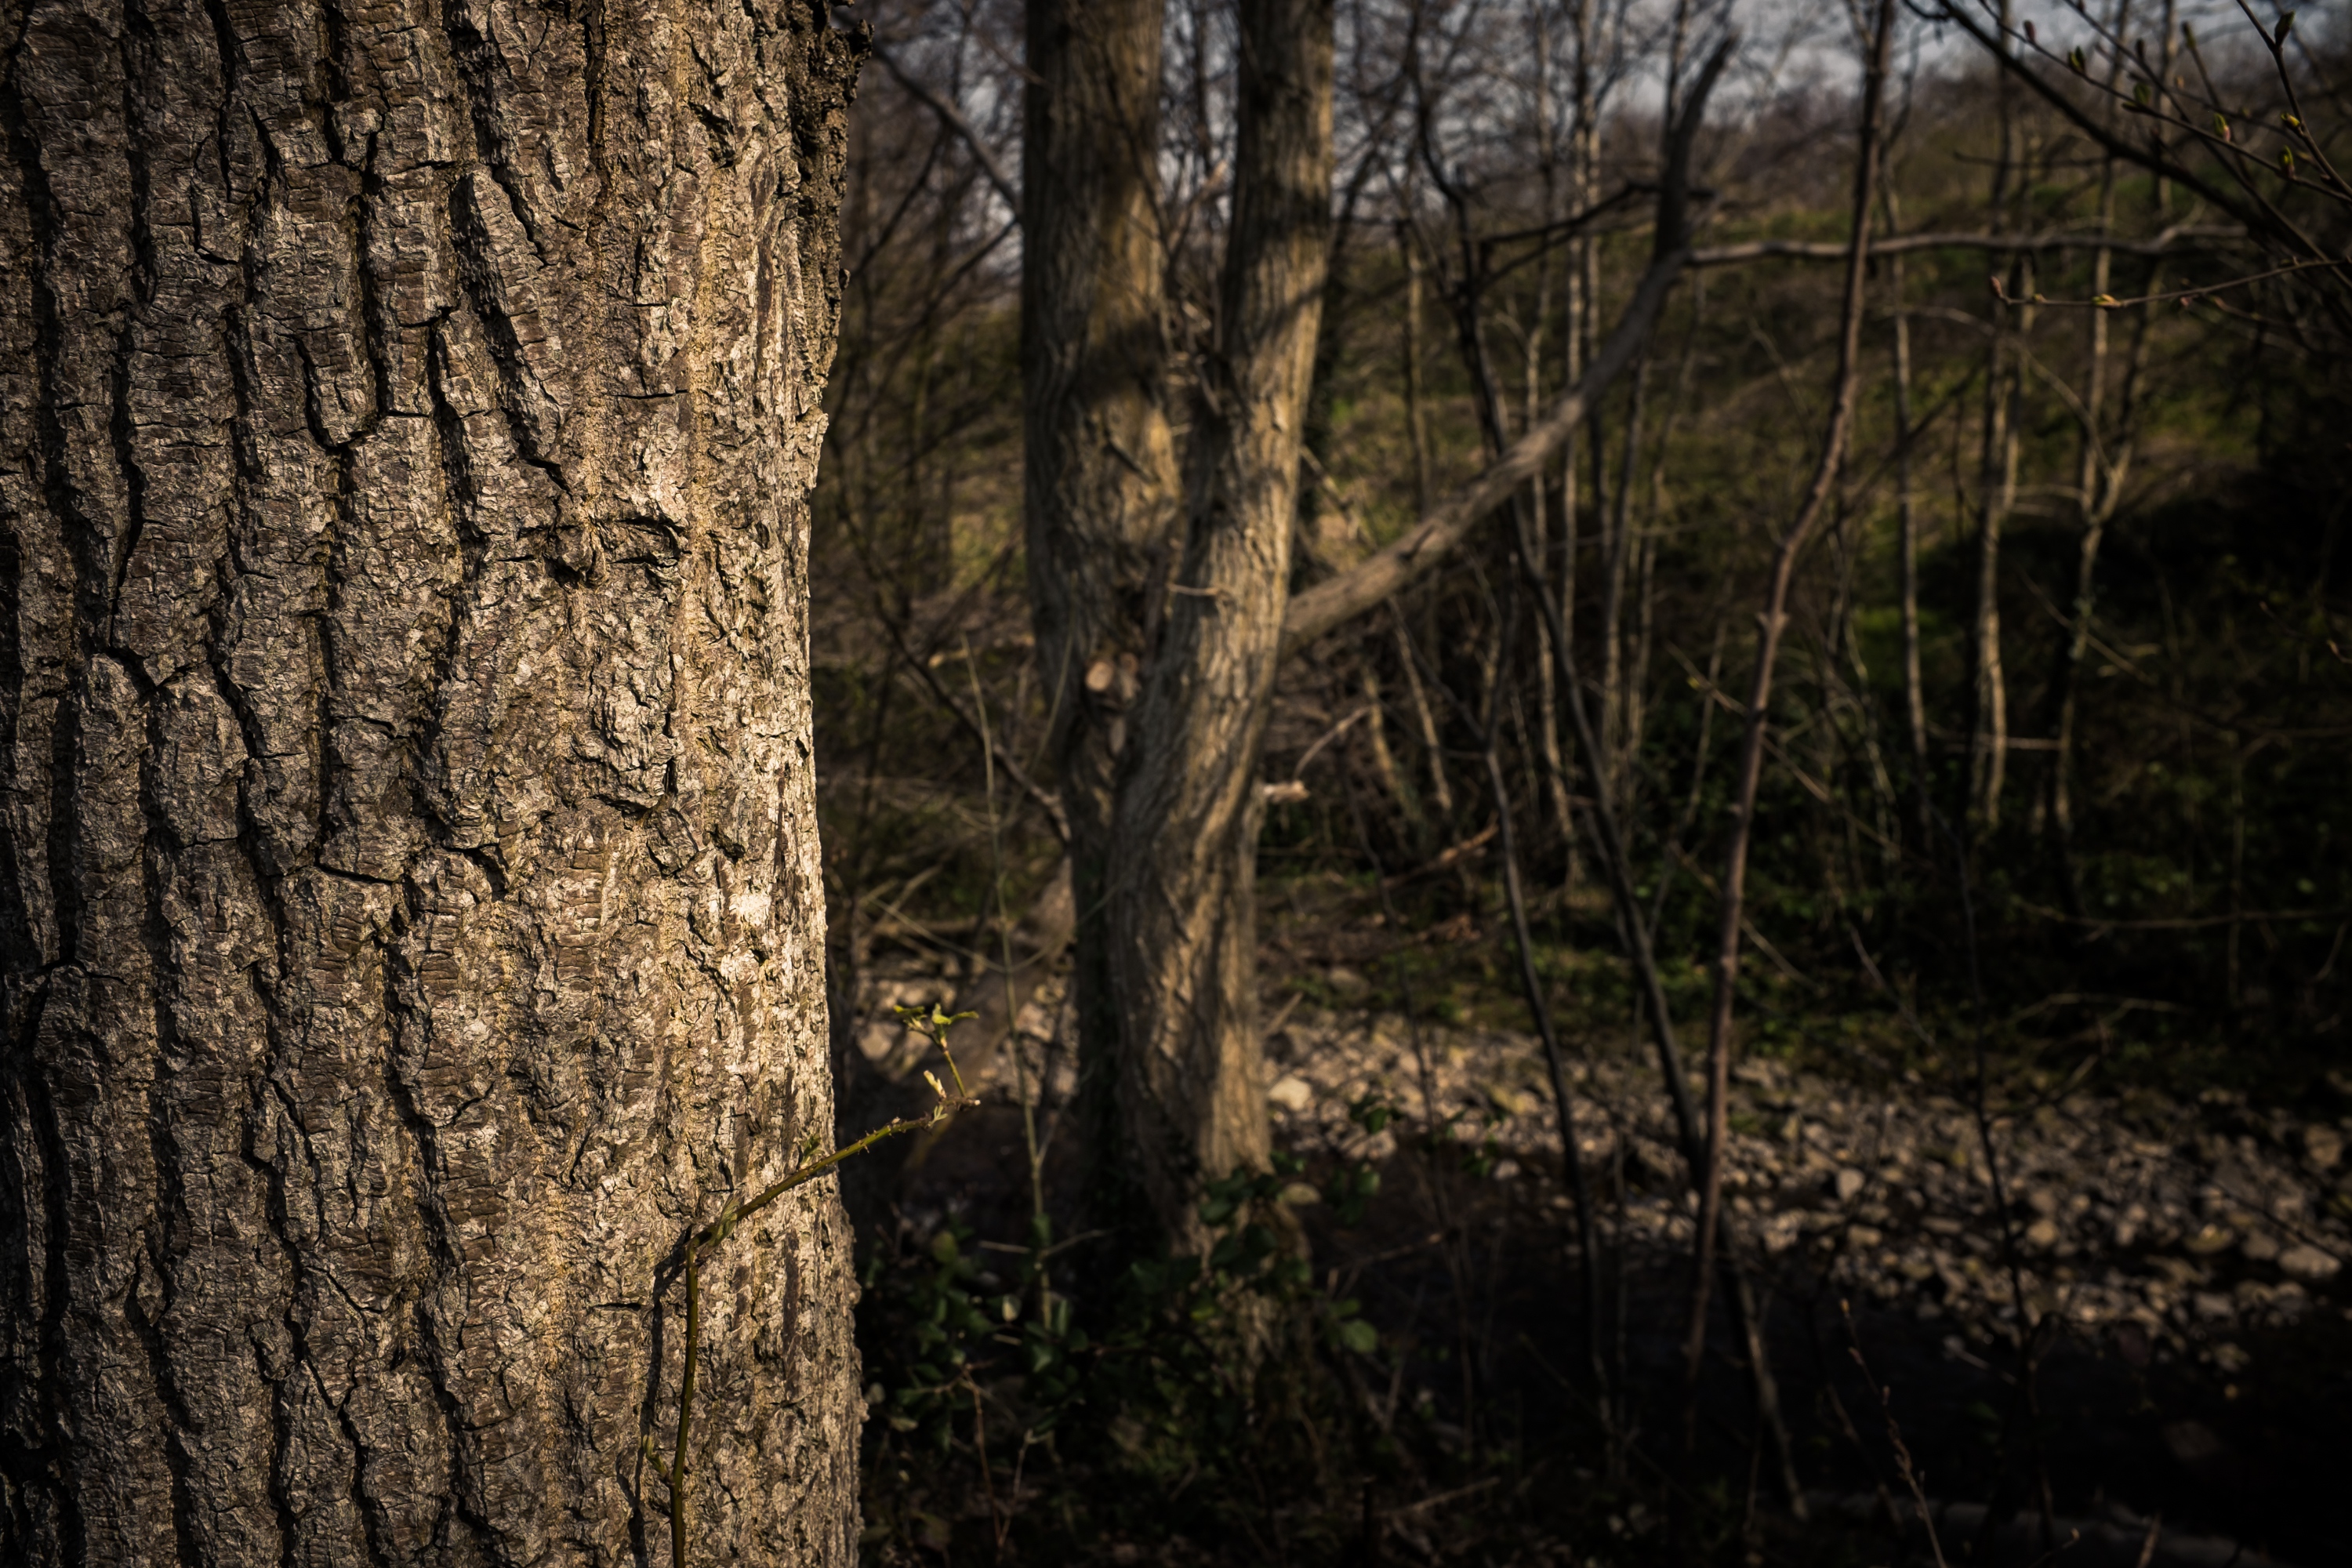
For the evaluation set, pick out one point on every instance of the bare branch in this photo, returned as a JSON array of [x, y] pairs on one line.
[[1449, 520], [955, 120], [2171, 242]]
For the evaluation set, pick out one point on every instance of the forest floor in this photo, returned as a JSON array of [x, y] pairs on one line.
[[2179, 1262]]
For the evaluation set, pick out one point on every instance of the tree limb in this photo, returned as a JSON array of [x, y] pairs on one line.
[[955, 120], [2170, 242], [1448, 522], [2153, 162]]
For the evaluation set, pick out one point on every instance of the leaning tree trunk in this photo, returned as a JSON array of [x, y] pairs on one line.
[[1181, 911], [410, 910]]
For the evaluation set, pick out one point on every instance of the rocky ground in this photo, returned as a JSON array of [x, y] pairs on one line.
[[2177, 1230], [2183, 1262]]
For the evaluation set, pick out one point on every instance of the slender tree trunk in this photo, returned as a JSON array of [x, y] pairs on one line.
[[2105, 461], [2233, 991], [1416, 412], [1578, 315], [1555, 758], [1988, 705], [1571, 1152], [1555, 769], [1906, 502], [1637, 669], [1399, 788], [1102, 494], [1989, 753], [1770, 625], [1416, 416], [1182, 909], [1988, 760], [412, 920], [1617, 553], [1425, 718], [1582, 302]]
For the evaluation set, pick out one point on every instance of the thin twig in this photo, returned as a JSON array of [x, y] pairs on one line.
[[933, 1026], [1912, 1480]]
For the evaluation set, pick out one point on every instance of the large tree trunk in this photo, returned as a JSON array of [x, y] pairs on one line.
[[410, 909], [1181, 911]]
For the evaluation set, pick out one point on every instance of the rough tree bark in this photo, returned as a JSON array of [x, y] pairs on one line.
[[1163, 802], [1181, 912], [408, 871], [1102, 495]]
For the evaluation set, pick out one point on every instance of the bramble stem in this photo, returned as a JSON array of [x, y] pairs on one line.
[[933, 1028], [677, 1489]]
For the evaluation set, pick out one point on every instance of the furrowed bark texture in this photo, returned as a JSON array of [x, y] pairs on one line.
[[408, 872], [1182, 909], [1101, 488]]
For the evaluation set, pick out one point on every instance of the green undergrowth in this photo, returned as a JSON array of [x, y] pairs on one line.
[[1217, 1409], [1242, 1407]]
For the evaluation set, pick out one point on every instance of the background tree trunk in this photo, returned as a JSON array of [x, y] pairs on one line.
[[1101, 492], [1181, 896], [1157, 663], [410, 908]]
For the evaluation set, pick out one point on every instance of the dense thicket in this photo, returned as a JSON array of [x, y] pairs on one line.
[[2205, 725], [2051, 796]]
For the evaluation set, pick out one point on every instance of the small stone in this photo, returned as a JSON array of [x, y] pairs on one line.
[[2210, 1239], [2309, 1264], [2260, 1247], [1507, 1100], [1292, 1093], [1849, 1185], [2323, 1146], [2041, 1235], [1299, 1195]]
